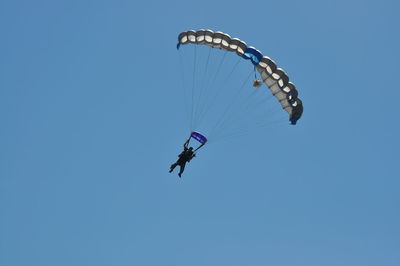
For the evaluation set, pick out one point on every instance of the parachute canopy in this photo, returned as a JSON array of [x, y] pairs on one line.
[[199, 137], [275, 78]]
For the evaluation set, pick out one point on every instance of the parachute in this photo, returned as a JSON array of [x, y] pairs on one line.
[[199, 137], [275, 78]]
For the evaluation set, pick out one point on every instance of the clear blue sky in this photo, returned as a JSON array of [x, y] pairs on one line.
[[91, 118]]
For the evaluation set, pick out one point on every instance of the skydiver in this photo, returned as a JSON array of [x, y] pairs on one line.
[[184, 157]]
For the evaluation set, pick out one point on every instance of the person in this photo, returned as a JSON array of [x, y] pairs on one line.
[[184, 157], [257, 83]]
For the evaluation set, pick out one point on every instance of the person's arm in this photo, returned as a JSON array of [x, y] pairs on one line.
[[191, 157], [186, 144]]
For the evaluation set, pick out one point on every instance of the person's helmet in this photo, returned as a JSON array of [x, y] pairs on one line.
[[191, 148]]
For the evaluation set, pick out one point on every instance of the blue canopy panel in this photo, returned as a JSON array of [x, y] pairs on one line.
[[253, 54], [199, 137]]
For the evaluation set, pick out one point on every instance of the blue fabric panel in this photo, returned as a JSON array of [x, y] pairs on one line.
[[252, 54], [199, 137]]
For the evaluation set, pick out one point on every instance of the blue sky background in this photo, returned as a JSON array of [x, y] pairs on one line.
[[91, 117]]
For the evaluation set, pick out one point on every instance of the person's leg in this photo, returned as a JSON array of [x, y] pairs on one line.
[[182, 169], [172, 167]]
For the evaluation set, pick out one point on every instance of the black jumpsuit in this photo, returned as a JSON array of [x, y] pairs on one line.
[[184, 157]]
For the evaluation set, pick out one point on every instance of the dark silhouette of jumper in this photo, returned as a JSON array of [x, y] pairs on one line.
[[184, 157]]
